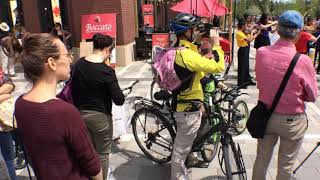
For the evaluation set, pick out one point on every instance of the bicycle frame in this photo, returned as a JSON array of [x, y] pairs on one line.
[[166, 115], [220, 127]]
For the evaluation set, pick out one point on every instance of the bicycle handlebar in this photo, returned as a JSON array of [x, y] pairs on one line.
[[130, 87], [230, 92]]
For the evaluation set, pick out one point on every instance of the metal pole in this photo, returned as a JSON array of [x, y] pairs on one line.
[[295, 171], [196, 6], [166, 15], [231, 29]]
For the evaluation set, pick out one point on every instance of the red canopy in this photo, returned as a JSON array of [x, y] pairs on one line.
[[202, 8], [216, 8]]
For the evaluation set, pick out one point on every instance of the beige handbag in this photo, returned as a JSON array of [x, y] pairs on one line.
[[6, 115]]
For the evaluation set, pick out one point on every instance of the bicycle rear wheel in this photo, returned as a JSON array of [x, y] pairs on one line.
[[153, 134], [240, 116]]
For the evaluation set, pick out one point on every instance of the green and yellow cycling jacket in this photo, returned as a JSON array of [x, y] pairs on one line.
[[190, 59]]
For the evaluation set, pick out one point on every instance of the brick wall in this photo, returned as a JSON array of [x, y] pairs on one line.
[[123, 8], [128, 25]]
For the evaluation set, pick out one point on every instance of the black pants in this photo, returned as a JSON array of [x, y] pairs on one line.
[[317, 56], [243, 65]]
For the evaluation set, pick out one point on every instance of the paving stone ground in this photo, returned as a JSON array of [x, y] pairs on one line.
[[129, 163]]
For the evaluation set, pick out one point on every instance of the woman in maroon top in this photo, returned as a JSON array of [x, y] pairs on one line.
[[52, 131]]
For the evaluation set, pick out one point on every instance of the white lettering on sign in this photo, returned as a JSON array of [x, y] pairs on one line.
[[98, 28]]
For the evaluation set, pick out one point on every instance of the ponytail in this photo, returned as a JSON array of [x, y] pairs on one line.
[[12, 47]]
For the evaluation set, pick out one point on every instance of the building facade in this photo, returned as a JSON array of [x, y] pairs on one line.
[[39, 16]]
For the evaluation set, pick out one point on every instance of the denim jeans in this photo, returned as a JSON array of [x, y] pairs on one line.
[[4, 175], [7, 150]]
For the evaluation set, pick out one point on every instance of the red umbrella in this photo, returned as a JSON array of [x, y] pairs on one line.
[[216, 8], [202, 8], [197, 7]]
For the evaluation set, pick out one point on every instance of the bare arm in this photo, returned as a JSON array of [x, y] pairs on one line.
[[4, 97], [6, 88], [268, 25], [252, 36], [314, 39]]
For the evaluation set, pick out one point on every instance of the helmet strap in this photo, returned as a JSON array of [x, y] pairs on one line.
[[188, 38]]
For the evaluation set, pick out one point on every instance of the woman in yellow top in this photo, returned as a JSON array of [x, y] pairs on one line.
[[243, 52]]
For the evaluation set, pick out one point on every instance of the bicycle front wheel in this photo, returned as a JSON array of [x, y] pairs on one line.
[[240, 116], [153, 134], [210, 147], [237, 158], [226, 158]]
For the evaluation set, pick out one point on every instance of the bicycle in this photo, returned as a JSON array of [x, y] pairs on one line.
[[130, 100], [157, 143], [234, 111]]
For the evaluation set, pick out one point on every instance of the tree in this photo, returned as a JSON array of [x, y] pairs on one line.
[[263, 5]]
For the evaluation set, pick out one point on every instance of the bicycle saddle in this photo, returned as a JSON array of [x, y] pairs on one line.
[[162, 95]]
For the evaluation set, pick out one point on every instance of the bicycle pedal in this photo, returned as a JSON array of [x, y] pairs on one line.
[[201, 164]]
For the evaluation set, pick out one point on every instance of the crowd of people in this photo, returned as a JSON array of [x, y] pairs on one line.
[[264, 32], [73, 141]]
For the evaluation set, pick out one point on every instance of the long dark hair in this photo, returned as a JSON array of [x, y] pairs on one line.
[[264, 19]]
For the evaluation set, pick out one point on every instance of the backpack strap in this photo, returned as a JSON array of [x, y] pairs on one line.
[[183, 59]]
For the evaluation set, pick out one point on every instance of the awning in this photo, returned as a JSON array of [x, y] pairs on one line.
[[202, 8]]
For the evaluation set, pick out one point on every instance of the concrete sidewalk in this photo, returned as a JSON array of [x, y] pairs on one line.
[[129, 163]]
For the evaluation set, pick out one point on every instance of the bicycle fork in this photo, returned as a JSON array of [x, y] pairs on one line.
[[226, 142], [225, 157]]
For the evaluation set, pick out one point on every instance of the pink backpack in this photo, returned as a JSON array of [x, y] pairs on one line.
[[163, 68]]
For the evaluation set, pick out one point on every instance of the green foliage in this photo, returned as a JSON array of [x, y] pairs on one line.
[[276, 7]]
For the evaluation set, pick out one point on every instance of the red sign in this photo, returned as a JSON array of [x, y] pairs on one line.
[[161, 39], [98, 23], [147, 11], [148, 19]]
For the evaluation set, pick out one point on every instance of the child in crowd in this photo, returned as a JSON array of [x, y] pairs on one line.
[[209, 82]]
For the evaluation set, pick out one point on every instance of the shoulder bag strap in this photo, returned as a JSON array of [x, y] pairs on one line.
[[22, 146], [284, 82]]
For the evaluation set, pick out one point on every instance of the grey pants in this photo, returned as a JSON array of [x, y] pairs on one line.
[[290, 129], [188, 124], [100, 128]]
